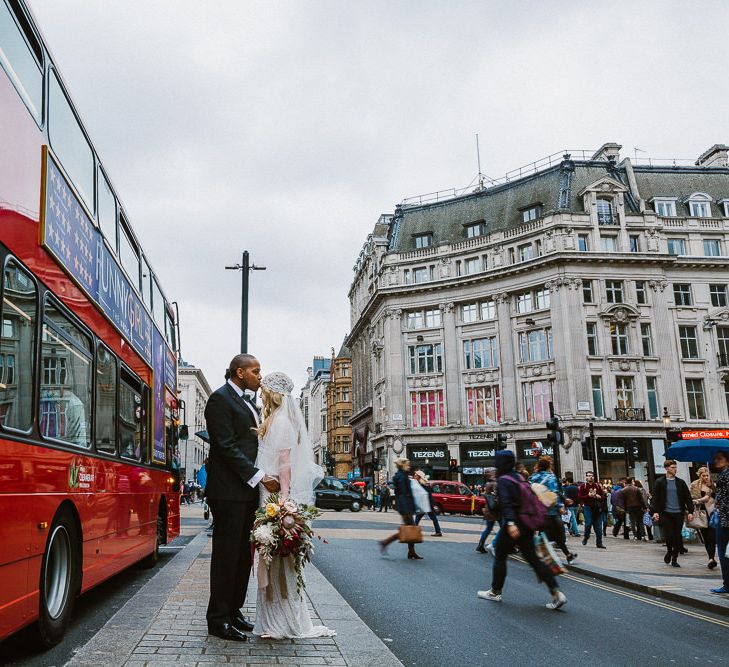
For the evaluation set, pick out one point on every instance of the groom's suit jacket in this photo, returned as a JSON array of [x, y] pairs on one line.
[[233, 447]]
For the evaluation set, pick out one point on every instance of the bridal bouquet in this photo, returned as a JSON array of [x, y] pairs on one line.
[[283, 528]]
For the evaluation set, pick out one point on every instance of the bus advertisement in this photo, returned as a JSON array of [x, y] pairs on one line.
[[89, 417]]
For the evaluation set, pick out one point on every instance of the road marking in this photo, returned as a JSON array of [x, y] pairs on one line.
[[640, 598], [655, 603]]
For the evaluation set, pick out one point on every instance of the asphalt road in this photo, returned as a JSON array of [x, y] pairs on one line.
[[428, 613], [91, 611]]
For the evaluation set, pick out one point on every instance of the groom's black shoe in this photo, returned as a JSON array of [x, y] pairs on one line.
[[241, 623], [227, 631]]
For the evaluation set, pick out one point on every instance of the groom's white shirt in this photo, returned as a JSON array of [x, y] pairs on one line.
[[256, 479]]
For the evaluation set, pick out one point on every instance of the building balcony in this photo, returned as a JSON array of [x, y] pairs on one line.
[[607, 219], [630, 414]]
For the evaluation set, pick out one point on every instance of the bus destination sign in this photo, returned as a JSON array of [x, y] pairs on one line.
[[68, 232]]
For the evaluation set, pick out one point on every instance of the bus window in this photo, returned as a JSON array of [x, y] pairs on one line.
[[69, 142], [107, 211], [146, 284], [66, 381], [17, 348], [170, 331], [132, 417], [105, 435], [158, 304], [21, 57], [129, 255]]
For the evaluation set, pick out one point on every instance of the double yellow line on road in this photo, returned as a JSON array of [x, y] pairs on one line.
[[640, 598]]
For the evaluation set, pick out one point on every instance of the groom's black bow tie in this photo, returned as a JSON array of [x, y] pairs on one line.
[[250, 402]]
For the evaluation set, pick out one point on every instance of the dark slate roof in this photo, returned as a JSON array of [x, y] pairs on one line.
[[500, 207], [682, 183], [344, 351]]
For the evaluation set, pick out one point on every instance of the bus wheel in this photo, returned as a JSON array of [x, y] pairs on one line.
[[160, 538], [59, 579]]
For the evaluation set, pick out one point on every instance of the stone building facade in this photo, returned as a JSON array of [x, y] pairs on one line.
[[339, 410], [194, 390], [588, 281], [314, 405]]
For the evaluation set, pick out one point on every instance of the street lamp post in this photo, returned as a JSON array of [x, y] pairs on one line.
[[245, 268], [667, 426]]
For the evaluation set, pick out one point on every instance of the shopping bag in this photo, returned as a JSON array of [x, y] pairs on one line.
[[547, 554], [700, 518], [420, 497], [567, 517], [410, 534], [647, 519]]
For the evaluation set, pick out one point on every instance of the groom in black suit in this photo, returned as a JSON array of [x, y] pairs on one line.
[[232, 492]]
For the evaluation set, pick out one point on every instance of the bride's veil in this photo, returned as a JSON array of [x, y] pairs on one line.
[[288, 431]]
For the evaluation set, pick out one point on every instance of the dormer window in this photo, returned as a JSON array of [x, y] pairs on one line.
[[605, 213], [475, 229], [531, 213], [424, 240], [699, 205], [724, 203], [666, 208]]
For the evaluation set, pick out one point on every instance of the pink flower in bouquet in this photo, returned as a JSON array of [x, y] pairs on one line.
[[288, 521], [291, 506]]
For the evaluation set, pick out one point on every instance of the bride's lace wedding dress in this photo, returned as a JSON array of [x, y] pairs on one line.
[[281, 610]]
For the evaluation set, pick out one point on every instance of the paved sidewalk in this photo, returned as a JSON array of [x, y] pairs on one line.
[[164, 624], [639, 565]]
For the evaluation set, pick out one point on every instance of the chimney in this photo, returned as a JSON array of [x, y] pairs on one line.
[[609, 151], [716, 156]]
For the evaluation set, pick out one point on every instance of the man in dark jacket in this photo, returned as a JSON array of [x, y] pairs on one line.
[[508, 491], [384, 497], [232, 492], [671, 498], [634, 505]]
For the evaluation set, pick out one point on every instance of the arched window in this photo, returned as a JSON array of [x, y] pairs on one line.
[[605, 213]]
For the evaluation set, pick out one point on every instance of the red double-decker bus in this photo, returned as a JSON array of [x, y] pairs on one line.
[[88, 356]]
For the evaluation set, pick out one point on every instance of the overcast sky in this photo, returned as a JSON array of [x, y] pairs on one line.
[[286, 128]]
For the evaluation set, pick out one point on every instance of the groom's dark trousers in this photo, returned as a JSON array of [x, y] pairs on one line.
[[233, 450]]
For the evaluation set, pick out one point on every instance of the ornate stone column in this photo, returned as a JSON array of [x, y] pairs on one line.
[[451, 363], [393, 365], [671, 378], [510, 390]]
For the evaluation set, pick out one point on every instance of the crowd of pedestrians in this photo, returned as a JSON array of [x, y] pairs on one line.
[[509, 490]]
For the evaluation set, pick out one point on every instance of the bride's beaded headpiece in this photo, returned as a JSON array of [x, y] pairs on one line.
[[278, 382]]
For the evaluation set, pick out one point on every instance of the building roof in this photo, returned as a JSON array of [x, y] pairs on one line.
[[555, 188], [344, 351]]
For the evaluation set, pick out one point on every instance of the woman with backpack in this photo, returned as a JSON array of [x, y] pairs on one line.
[[522, 513]]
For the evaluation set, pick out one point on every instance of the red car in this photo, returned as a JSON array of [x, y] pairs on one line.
[[454, 497]]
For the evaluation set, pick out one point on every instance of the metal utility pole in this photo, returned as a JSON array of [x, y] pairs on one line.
[[593, 445], [245, 268]]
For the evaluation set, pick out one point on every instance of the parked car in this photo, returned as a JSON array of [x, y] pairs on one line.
[[332, 494], [454, 497]]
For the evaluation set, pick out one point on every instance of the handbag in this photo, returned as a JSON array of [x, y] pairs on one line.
[[410, 534], [567, 517], [491, 510], [647, 520], [547, 554], [701, 517]]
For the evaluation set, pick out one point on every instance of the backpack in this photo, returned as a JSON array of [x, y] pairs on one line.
[[532, 512]]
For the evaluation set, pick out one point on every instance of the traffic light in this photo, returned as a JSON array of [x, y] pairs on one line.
[[673, 435], [500, 441], [555, 435], [587, 448], [184, 432], [630, 453]]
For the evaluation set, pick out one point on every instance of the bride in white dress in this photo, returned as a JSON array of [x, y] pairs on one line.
[[285, 452]]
